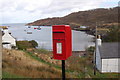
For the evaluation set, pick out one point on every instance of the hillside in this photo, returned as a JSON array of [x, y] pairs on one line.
[[19, 63], [86, 18], [38, 64]]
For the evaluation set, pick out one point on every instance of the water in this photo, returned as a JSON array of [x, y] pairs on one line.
[[80, 40]]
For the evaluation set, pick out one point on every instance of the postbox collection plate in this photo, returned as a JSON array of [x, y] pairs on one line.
[[59, 48]]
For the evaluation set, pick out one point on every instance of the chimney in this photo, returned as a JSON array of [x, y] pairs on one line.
[[9, 32], [99, 41], [6, 31]]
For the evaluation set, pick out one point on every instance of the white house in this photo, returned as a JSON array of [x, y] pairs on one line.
[[107, 57], [8, 40]]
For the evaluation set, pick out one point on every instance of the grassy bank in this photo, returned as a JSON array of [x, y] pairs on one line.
[[48, 63], [28, 65], [9, 75], [32, 65], [81, 67], [41, 60]]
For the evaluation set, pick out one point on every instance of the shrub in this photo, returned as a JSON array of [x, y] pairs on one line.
[[23, 45], [91, 49], [34, 43], [113, 35]]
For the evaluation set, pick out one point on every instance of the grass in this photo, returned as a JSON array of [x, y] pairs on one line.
[[79, 67], [103, 29], [9, 75], [42, 51], [90, 72], [50, 64], [81, 74], [28, 70], [38, 59], [41, 60]]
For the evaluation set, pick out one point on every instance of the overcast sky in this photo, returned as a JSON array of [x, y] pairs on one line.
[[25, 11]]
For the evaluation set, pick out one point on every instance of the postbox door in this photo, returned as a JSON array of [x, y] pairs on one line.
[[59, 47]]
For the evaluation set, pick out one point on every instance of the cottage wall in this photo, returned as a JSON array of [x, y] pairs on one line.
[[8, 38], [111, 65], [98, 60]]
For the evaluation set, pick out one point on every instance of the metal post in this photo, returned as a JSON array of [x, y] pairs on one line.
[[63, 69]]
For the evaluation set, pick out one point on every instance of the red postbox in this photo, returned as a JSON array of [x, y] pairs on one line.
[[62, 42]]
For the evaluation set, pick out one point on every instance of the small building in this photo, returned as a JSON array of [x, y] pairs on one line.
[[83, 27], [8, 41], [107, 57]]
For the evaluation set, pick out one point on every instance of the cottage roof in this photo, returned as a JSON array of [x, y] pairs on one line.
[[109, 50], [3, 33]]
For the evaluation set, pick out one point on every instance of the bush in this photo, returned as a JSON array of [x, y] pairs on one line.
[[34, 43], [91, 49], [113, 35], [23, 45]]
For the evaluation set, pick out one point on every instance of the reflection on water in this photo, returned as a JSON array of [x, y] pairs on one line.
[[80, 40]]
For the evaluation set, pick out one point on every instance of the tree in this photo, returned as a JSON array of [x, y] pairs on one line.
[[113, 35]]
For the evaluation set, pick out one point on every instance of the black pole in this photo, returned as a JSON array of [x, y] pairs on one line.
[[63, 69]]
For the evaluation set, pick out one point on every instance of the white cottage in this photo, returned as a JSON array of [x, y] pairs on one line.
[[8, 40], [107, 57]]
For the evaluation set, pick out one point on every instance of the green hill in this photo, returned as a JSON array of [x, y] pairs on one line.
[[86, 18]]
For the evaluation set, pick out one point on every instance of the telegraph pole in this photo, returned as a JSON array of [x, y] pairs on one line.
[[0, 54], [95, 49]]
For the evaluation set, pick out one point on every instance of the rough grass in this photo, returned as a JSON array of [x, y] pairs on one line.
[[41, 60], [36, 58], [71, 68], [31, 66], [28, 67], [9, 75], [42, 51], [81, 67]]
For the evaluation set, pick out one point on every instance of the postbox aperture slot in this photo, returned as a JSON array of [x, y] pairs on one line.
[[58, 32]]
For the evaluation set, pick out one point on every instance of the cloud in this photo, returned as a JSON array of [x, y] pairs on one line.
[[20, 11]]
